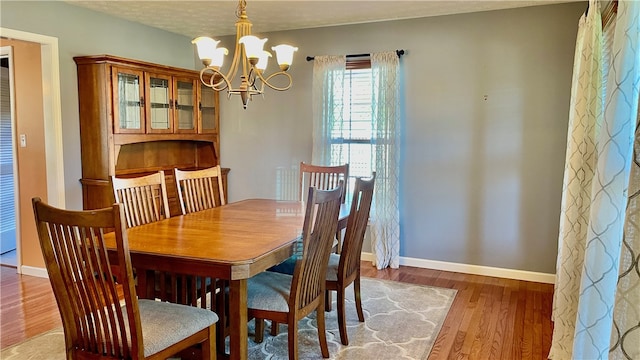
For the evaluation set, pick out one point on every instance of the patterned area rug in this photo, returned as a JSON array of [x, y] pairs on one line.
[[402, 321]]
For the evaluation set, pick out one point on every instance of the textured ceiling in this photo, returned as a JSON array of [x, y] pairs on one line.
[[217, 18]]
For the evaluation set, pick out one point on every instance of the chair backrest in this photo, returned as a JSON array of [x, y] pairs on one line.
[[144, 198], [318, 231], [199, 189], [356, 227], [323, 177], [83, 280]]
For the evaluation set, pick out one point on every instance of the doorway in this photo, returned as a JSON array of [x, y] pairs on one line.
[[8, 163], [29, 258]]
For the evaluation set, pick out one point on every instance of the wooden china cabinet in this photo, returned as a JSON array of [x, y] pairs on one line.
[[137, 118]]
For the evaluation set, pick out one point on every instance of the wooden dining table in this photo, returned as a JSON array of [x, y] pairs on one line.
[[232, 242]]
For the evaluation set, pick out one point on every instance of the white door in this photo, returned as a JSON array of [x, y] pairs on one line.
[[8, 165]]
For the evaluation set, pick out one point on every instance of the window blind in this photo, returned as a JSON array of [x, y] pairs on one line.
[[352, 139], [7, 200]]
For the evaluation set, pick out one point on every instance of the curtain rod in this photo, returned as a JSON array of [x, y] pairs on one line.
[[398, 52]]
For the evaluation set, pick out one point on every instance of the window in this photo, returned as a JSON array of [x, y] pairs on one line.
[[352, 136], [356, 120]]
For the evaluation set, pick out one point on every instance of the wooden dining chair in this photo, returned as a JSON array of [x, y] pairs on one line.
[[199, 189], [287, 299], [323, 177], [344, 268], [103, 318], [143, 198]]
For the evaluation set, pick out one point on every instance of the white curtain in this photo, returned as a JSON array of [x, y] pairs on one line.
[[328, 97], [327, 102], [385, 234], [602, 124], [623, 104], [585, 117]]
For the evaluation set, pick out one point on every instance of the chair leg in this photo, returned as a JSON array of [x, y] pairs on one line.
[[358, 298], [293, 339], [274, 328], [322, 332], [342, 326], [259, 336], [220, 307], [327, 300], [209, 345]]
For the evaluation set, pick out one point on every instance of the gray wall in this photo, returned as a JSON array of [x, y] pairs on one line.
[[481, 178]]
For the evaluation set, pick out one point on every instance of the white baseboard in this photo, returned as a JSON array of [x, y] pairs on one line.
[[474, 269], [34, 271], [420, 263]]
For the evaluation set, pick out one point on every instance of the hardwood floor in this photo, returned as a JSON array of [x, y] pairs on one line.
[[27, 307], [491, 318]]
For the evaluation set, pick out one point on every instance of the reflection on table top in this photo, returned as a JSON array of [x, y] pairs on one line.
[[235, 233]]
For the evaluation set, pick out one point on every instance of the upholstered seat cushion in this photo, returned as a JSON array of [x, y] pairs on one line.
[[332, 268], [269, 291], [164, 324]]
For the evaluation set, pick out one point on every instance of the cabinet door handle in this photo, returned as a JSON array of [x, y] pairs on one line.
[[141, 101], [175, 104], [200, 106]]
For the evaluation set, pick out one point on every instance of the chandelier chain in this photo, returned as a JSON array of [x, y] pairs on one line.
[[241, 9]]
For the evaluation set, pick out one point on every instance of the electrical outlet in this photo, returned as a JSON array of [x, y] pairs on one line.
[[23, 140]]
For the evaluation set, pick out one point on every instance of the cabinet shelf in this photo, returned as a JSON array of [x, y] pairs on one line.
[[124, 139]]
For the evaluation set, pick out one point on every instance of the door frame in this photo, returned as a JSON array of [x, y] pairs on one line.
[[52, 125]]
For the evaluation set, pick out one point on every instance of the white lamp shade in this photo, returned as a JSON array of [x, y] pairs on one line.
[[218, 56], [206, 47], [253, 46], [284, 53], [263, 60]]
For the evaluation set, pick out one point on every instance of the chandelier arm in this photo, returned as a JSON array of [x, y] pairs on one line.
[[218, 86], [265, 81], [251, 78], [261, 90], [233, 69]]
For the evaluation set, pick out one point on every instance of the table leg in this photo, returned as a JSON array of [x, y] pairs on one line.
[[239, 333]]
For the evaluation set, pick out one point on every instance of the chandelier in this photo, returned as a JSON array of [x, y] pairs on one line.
[[249, 57]]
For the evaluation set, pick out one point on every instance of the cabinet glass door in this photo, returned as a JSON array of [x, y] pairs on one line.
[[185, 105], [128, 101], [208, 110], [159, 103]]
